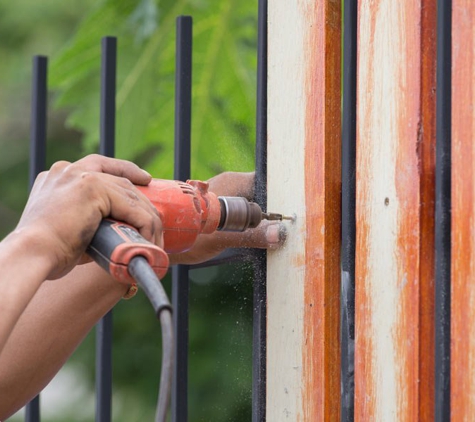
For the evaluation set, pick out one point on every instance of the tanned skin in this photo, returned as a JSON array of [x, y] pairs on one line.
[[51, 292]]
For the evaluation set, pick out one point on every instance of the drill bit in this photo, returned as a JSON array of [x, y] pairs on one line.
[[276, 217]]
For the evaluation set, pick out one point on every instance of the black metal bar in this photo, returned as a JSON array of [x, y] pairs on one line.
[[37, 161], [104, 327], [348, 222], [442, 211], [180, 280], [108, 88], [260, 267], [38, 117]]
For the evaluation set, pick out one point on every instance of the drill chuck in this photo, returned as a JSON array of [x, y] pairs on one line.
[[238, 214]]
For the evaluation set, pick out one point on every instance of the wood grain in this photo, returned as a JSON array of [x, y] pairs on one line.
[[303, 363], [426, 152], [463, 212], [394, 211]]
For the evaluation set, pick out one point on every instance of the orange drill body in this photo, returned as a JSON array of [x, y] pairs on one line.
[[185, 209]]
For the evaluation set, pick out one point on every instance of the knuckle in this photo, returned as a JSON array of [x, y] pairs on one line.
[[90, 162], [126, 183], [132, 195], [89, 181], [93, 157], [41, 176], [59, 166], [86, 176]]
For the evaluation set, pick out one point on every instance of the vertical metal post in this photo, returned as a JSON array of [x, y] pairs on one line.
[[260, 270], [37, 161], [108, 87], [442, 211], [104, 327], [38, 118], [180, 281], [348, 223]]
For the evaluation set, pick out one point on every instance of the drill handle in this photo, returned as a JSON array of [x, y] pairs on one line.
[[115, 244]]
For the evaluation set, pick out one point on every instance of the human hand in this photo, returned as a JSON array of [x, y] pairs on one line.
[[268, 235], [68, 202]]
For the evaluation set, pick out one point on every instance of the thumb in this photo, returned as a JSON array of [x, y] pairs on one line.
[[268, 235]]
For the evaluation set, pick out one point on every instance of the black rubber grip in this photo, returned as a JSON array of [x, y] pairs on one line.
[[108, 237]]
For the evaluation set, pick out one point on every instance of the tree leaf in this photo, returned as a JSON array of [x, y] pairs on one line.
[[224, 62]]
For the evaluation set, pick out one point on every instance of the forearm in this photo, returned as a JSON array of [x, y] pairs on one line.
[[54, 323], [23, 268]]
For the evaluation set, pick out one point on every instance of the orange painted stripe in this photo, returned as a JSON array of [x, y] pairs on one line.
[[395, 198], [321, 351], [427, 136], [462, 382]]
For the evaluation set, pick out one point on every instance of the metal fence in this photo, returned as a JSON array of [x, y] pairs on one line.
[[180, 273]]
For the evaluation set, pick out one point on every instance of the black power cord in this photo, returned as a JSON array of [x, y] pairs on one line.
[[145, 277]]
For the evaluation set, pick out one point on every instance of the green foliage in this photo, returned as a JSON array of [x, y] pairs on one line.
[[27, 28], [224, 59]]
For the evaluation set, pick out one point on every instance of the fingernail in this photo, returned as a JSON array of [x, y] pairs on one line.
[[147, 173], [273, 234]]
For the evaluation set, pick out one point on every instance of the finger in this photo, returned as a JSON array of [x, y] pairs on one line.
[[233, 184], [159, 236], [268, 235], [119, 199], [134, 193], [127, 206], [59, 167], [115, 167], [146, 201]]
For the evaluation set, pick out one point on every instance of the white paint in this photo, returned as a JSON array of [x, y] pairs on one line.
[[381, 67], [286, 155]]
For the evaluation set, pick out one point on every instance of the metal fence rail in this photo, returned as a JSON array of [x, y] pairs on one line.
[[37, 160], [348, 212], [442, 212], [180, 279], [260, 265], [107, 148]]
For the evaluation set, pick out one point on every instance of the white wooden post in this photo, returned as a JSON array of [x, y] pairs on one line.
[[303, 279]]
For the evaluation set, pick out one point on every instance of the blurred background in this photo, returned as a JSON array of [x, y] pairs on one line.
[[223, 137]]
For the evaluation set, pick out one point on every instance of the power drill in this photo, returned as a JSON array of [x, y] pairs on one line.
[[186, 210]]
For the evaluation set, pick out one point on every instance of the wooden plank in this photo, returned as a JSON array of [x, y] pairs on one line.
[[426, 152], [303, 279], [463, 212], [394, 211]]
